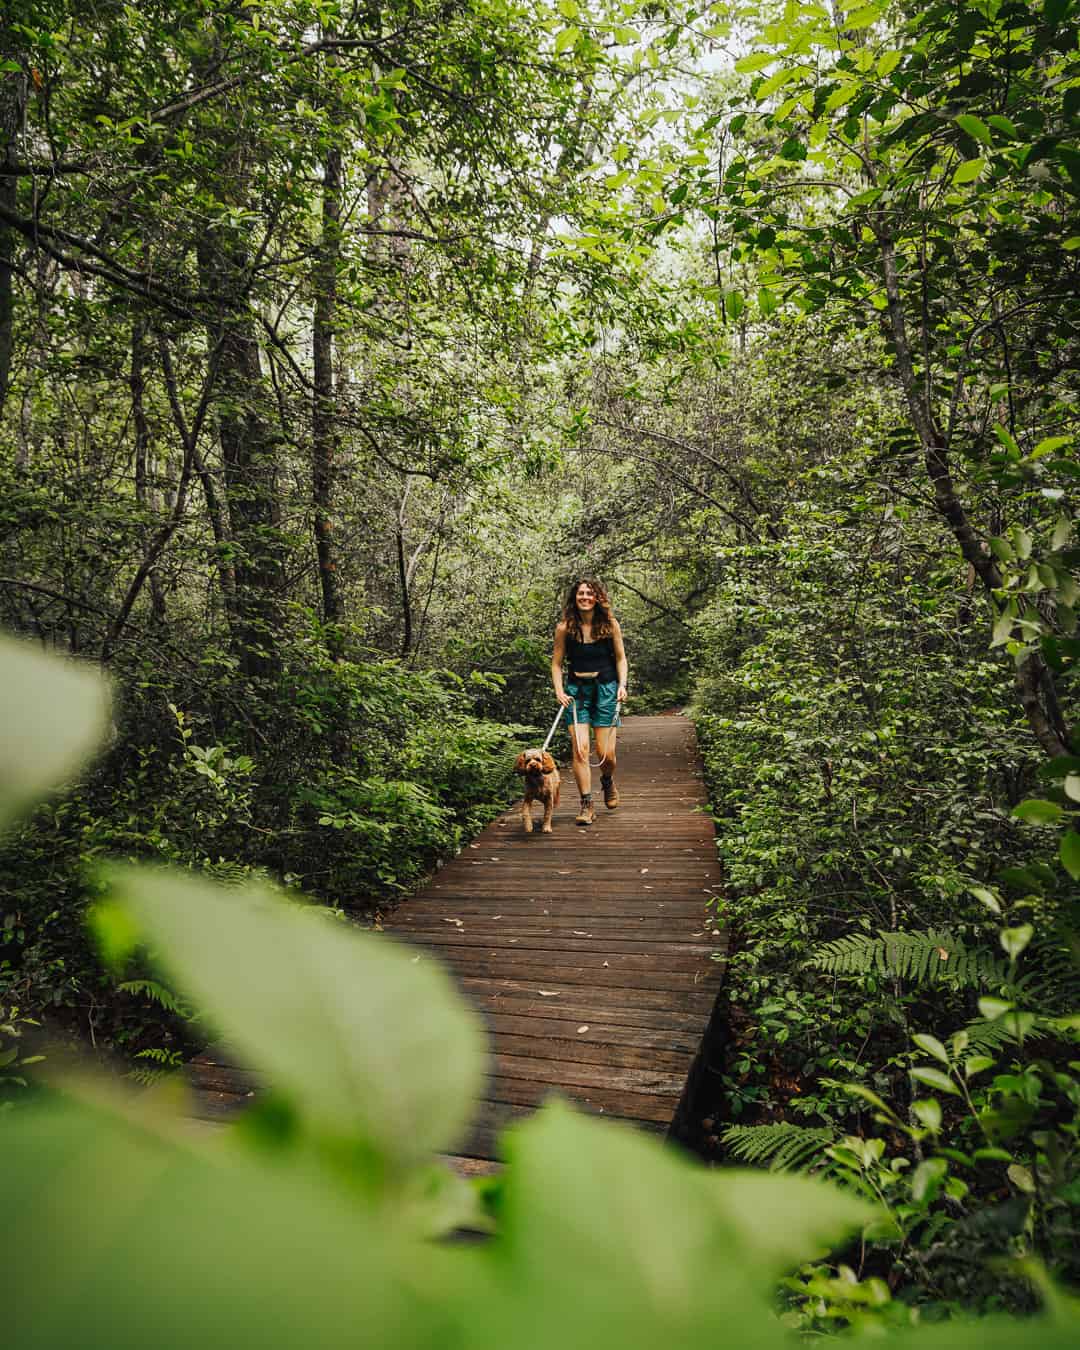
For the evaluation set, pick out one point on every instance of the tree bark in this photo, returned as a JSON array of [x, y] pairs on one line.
[[250, 445], [137, 386], [12, 108], [324, 433]]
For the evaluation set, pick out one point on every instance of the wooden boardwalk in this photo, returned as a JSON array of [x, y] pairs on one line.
[[585, 950]]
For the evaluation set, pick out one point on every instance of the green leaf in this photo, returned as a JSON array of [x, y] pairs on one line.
[[52, 715], [1021, 1178], [969, 170], [977, 1064], [607, 1238], [569, 9], [927, 1111], [370, 1036], [773, 83], [1037, 812], [993, 1008], [1072, 786], [1049, 444], [887, 63], [194, 1244], [932, 1046], [747, 65], [927, 1178], [1069, 852], [566, 39], [1014, 940], [987, 898], [862, 18], [934, 1078], [115, 933], [976, 128], [1004, 125]]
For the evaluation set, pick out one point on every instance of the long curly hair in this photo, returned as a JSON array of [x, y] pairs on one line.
[[603, 624]]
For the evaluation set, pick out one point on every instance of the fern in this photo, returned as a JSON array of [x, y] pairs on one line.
[[168, 1061], [1049, 984], [786, 1148], [918, 958], [158, 992]]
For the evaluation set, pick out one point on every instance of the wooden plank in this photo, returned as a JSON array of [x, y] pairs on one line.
[[627, 1001], [596, 939], [590, 977], [508, 956], [596, 1077], [635, 1106]]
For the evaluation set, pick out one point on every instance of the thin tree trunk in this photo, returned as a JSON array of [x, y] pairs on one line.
[[137, 385], [324, 435], [12, 106], [1032, 675]]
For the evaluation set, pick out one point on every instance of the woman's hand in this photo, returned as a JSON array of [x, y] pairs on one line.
[[564, 699], [620, 694]]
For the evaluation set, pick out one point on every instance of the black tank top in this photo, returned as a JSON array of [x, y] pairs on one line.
[[598, 656]]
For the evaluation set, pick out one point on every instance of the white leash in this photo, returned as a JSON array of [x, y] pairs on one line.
[[558, 718], [554, 724]]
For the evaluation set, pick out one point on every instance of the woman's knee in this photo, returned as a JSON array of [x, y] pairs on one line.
[[581, 752]]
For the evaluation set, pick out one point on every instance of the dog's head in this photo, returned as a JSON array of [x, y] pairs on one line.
[[534, 763]]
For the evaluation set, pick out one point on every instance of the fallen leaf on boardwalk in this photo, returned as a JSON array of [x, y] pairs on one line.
[[581, 1029], [564, 874], [474, 845], [549, 993], [605, 963], [644, 870], [457, 921], [494, 859], [496, 916], [577, 932]]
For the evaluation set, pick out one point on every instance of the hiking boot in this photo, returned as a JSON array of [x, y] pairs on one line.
[[611, 792], [587, 814]]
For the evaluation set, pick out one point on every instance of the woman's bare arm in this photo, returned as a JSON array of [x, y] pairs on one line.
[[622, 666], [558, 652]]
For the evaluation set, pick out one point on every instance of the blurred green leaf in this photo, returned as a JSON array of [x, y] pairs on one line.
[[52, 715], [373, 1038]]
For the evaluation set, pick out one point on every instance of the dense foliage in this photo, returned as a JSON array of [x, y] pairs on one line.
[[320, 1217], [334, 341]]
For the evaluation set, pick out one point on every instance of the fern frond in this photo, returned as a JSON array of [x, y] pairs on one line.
[[785, 1147], [917, 958], [165, 997]]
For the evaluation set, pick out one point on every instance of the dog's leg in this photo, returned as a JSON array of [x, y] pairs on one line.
[[526, 815], [549, 806]]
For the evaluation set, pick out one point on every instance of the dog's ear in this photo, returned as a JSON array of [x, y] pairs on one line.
[[549, 763], [519, 763]]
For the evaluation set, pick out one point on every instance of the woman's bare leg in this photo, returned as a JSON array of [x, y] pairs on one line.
[[605, 749], [579, 736]]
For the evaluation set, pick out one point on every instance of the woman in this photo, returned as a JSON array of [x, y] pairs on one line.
[[590, 640]]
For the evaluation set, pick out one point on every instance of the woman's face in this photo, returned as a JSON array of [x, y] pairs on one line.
[[585, 599]]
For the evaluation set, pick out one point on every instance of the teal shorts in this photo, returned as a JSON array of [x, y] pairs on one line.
[[596, 703]]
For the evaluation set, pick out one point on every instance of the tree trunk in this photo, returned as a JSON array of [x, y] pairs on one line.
[[324, 436], [250, 444], [137, 385], [1034, 680], [12, 107]]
